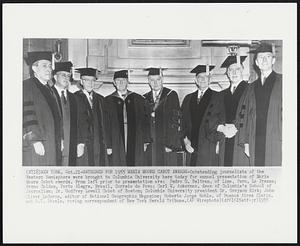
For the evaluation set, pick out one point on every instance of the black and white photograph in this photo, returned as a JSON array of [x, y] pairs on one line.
[[152, 102], [149, 123]]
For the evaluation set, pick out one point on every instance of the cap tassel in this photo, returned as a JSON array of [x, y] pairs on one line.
[[238, 59], [273, 49], [207, 69], [53, 61]]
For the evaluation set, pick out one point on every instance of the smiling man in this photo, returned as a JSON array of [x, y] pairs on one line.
[[91, 120], [197, 120], [264, 111], [165, 121], [231, 153], [68, 106], [42, 128], [128, 126]]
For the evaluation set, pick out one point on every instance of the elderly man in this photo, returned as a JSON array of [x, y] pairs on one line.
[[91, 121], [42, 126], [231, 153], [165, 121], [198, 120], [128, 132], [68, 107], [262, 110]]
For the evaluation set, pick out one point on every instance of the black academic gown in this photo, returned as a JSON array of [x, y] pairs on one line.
[[165, 128], [91, 130], [229, 148], [262, 100], [41, 122], [264, 135], [138, 129], [72, 125], [199, 122]]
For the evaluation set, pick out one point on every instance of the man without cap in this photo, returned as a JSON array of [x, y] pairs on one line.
[[42, 125], [231, 152], [91, 121], [199, 117], [263, 112], [68, 107], [128, 132], [165, 121]]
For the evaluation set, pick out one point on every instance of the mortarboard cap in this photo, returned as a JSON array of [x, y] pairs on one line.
[[154, 71], [63, 66], [88, 71], [231, 60], [34, 56], [201, 69], [121, 74], [263, 47]]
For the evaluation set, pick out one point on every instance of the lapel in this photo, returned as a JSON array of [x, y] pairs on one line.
[[116, 94], [47, 93], [86, 101], [162, 98], [57, 98], [194, 97], [73, 105]]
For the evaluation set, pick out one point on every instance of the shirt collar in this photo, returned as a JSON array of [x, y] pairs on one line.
[[264, 77], [43, 83], [121, 96], [235, 86], [59, 90], [88, 94], [156, 93], [203, 92]]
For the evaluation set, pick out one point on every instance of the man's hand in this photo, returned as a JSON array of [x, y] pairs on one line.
[[109, 151], [247, 149], [168, 150], [188, 145], [230, 130], [221, 128], [145, 146], [218, 148], [62, 145], [80, 149], [39, 148]]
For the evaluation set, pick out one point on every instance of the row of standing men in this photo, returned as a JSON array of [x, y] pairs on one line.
[[239, 126]]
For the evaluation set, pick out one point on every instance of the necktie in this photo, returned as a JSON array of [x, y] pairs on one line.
[[199, 98], [263, 80], [91, 99], [125, 125], [50, 89], [64, 99], [233, 89]]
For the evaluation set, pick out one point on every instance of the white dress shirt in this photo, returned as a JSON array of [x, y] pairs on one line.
[[59, 90], [89, 97], [203, 92]]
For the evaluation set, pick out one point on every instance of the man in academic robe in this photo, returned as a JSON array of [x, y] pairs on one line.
[[128, 131], [262, 123], [199, 117], [165, 121], [42, 126], [231, 153], [91, 121], [68, 107]]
